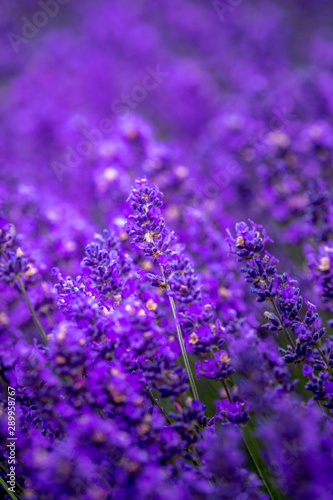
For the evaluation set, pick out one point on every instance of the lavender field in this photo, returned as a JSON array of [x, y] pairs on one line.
[[166, 250]]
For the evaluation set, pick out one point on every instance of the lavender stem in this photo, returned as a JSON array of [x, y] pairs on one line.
[[31, 309], [181, 342]]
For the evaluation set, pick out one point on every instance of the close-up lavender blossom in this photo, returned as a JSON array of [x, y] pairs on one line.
[[166, 250]]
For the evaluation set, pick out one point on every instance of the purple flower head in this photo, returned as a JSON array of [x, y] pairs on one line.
[[183, 281], [217, 368], [103, 268], [6, 232], [249, 241], [307, 370], [187, 420], [233, 412], [285, 297], [107, 265], [328, 388], [12, 268], [147, 227], [143, 197], [175, 383], [68, 351], [321, 267], [203, 337]]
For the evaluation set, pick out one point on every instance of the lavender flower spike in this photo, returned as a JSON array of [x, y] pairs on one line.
[[150, 235]]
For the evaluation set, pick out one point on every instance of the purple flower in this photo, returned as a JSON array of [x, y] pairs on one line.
[[13, 267], [147, 227], [281, 292], [216, 368], [307, 370], [235, 412], [6, 232], [321, 266]]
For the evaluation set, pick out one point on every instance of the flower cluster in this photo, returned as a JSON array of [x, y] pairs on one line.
[[280, 291], [147, 227], [13, 267], [216, 368], [277, 289]]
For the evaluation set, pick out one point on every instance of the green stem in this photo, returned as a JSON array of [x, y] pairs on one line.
[[226, 388], [277, 312], [182, 346], [159, 407], [324, 357], [2, 482], [31, 309], [256, 466], [181, 343], [3, 383]]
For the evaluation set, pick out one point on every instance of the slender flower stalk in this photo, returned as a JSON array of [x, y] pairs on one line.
[[257, 468], [32, 311], [281, 291], [5, 486], [181, 343], [248, 449], [151, 236], [324, 358], [25, 295], [151, 397], [277, 312]]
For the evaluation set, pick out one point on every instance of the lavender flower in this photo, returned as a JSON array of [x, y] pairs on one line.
[[321, 266], [147, 201], [279, 290], [234, 412], [147, 227], [216, 368], [14, 266], [6, 232]]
